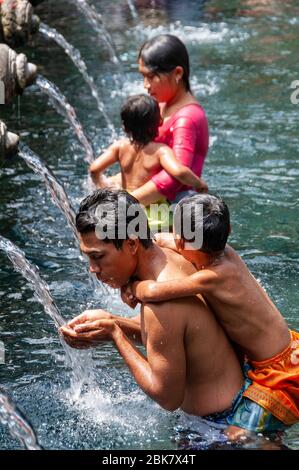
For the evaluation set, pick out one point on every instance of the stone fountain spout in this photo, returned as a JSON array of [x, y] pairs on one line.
[[16, 72], [26, 72], [8, 141], [17, 22]]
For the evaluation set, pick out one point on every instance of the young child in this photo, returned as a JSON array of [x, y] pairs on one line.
[[241, 305], [139, 156]]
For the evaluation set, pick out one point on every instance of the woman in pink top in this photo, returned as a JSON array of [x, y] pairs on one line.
[[164, 64]]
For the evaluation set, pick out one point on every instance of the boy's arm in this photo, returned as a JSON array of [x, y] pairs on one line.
[[151, 291], [180, 172], [108, 158], [166, 240]]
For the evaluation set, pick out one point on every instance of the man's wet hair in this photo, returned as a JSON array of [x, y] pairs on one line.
[[207, 213], [140, 116], [106, 211]]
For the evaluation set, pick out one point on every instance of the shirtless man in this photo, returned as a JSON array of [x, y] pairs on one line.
[[139, 156], [242, 307], [189, 362]]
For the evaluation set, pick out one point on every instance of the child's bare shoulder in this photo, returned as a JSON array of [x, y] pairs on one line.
[[224, 263], [154, 148], [124, 147], [123, 144], [230, 262]]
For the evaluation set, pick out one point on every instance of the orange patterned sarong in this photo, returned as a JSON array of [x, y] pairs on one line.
[[275, 384]]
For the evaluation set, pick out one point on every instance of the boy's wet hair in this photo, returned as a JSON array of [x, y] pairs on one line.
[[207, 213], [140, 116]]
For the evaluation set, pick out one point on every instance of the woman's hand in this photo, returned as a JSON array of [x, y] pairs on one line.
[[202, 187]]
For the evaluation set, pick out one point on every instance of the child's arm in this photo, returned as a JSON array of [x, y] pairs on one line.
[[180, 172], [108, 158], [151, 291]]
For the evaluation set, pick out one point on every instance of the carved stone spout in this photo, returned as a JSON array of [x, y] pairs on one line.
[[8, 141], [17, 22], [15, 72]]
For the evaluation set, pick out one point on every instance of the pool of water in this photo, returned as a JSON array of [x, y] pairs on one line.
[[243, 59]]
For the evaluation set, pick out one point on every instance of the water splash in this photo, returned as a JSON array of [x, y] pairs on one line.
[[96, 21], [132, 9], [204, 34], [59, 197], [31, 274], [63, 107], [18, 426], [80, 363], [75, 55], [58, 194]]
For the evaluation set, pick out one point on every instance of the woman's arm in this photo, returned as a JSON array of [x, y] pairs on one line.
[[189, 133], [180, 172], [108, 158]]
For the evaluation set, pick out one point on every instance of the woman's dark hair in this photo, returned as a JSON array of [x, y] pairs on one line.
[[140, 116], [164, 53], [206, 213]]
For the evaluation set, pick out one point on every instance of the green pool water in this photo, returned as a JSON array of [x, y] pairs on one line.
[[243, 61]]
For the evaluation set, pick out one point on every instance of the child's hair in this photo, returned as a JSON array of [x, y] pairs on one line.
[[140, 116], [214, 221]]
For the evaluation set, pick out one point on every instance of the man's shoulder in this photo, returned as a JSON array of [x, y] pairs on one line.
[[169, 309]]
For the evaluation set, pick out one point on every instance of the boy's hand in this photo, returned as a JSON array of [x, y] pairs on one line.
[[165, 240], [127, 295]]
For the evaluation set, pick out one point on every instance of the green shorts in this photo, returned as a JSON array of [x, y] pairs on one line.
[[160, 216]]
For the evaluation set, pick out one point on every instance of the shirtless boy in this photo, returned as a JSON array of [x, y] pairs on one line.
[[243, 308], [139, 156]]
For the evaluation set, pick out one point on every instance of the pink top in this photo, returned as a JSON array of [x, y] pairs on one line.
[[187, 133]]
